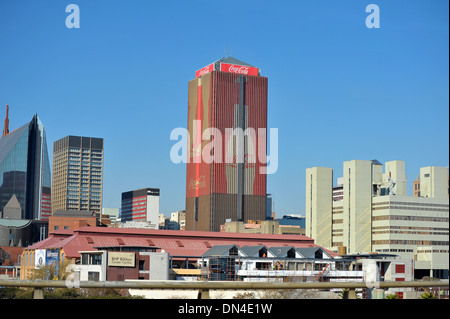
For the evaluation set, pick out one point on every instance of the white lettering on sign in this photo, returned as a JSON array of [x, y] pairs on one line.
[[238, 69]]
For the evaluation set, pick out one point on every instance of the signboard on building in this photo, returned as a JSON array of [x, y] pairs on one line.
[[240, 69], [52, 257], [204, 70], [121, 259], [39, 258]]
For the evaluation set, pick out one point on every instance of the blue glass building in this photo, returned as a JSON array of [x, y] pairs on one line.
[[25, 170]]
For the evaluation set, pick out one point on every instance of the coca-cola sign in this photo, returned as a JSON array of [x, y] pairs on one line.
[[204, 70], [239, 69]]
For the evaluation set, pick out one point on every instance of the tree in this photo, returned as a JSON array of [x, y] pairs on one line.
[[427, 295], [50, 272]]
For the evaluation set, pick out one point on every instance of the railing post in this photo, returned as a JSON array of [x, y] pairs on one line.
[[349, 293], [38, 293], [203, 294]]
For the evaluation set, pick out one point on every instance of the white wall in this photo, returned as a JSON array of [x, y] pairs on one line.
[[153, 210]]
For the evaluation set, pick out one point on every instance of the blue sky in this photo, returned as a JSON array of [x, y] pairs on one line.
[[337, 90]]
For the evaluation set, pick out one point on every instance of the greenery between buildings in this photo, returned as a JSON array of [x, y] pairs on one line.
[[58, 271], [65, 293]]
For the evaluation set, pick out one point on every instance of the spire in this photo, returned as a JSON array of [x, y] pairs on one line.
[[6, 127]]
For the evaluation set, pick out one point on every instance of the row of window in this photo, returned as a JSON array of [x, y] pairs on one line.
[[410, 204], [85, 150], [412, 208], [410, 242], [409, 228], [57, 227], [438, 251], [28, 258], [411, 218], [378, 232], [395, 250]]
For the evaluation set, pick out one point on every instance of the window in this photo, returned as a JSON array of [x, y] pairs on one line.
[[84, 259], [66, 227], [96, 259], [56, 227], [93, 276], [208, 245], [196, 209], [179, 243], [400, 269]]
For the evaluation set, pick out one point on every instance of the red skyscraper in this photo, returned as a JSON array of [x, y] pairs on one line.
[[226, 95]]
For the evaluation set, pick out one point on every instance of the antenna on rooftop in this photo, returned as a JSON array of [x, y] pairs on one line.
[[6, 125]]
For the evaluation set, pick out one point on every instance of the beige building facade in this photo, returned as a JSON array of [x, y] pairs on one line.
[[374, 214], [262, 227], [319, 183], [77, 178]]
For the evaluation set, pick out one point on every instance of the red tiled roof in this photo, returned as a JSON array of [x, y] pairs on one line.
[[13, 253], [177, 243], [54, 237]]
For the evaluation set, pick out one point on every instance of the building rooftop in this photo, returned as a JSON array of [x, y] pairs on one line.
[[368, 256], [231, 60], [9, 141], [190, 244], [74, 213]]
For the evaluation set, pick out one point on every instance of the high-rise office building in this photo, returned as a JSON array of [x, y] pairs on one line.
[[226, 96], [432, 182], [374, 214], [77, 181], [141, 205], [25, 169]]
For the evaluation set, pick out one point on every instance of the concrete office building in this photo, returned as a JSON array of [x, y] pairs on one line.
[[319, 183], [141, 205], [77, 174], [432, 182], [262, 227], [376, 215]]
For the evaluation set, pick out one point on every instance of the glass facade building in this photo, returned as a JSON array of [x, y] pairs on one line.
[[25, 170]]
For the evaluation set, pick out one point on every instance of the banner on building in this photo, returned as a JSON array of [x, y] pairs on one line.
[[120, 259], [39, 258]]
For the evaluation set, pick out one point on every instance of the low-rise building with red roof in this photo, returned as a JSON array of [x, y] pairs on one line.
[[183, 247]]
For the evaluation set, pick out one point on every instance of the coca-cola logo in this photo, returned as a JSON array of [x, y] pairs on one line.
[[204, 71], [249, 161], [238, 69]]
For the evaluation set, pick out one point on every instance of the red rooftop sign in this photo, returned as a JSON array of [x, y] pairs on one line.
[[240, 69], [204, 70], [227, 67]]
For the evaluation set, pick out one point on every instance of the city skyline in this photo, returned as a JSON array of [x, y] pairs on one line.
[[350, 92]]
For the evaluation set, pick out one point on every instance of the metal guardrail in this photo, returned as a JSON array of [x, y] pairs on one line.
[[204, 286]]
